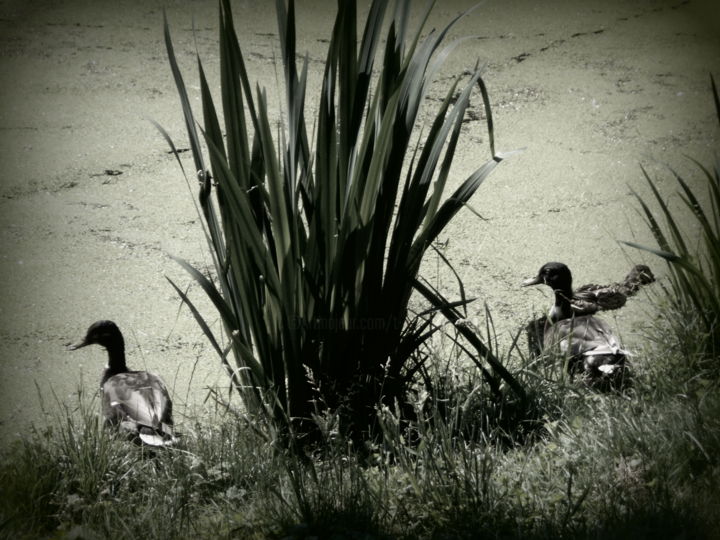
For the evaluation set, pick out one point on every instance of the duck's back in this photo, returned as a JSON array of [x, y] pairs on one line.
[[589, 299], [138, 401], [583, 336]]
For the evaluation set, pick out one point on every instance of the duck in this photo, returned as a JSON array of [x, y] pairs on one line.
[[591, 298], [136, 402], [591, 346]]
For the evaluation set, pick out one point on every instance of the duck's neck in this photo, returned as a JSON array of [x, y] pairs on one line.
[[116, 362], [562, 308]]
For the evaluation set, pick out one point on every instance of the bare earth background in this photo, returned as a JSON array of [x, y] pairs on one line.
[[591, 88]]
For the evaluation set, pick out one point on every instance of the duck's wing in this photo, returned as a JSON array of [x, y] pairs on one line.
[[599, 338], [584, 336], [139, 402], [583, 306]]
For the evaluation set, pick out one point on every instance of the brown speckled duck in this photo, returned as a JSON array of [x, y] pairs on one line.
[[588, 341], [136, 401], [592, 298]]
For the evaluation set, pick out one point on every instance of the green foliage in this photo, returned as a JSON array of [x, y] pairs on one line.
[[77, 479], [27, 485], [317, 238], [643, 464], [694, 292]]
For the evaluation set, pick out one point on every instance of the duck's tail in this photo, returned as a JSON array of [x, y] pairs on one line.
[[609, 369], [158, 439], [606, 372], [603, 365], [162, 435], [611, 349]]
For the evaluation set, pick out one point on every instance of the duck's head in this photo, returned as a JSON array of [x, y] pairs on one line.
[[105, 333], [640, 274], [555, 275]]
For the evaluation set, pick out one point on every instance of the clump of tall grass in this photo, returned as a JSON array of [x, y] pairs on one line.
[[317, 236], [693, 294]]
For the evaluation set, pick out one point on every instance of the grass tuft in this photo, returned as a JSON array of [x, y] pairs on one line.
[[693, 293], [317, 237]]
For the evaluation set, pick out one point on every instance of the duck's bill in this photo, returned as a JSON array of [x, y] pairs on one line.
[[537, 280], [76, 346]]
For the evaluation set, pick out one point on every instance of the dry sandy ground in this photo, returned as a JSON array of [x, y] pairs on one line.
[[591, 88]]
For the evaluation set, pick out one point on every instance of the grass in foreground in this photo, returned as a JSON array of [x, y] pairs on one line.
[[643, 464]]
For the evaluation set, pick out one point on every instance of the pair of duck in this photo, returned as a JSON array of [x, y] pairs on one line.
[[572, 328], [139, 403]]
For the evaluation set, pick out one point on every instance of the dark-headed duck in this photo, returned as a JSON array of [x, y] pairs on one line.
[[587, 340], [136, 401]]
